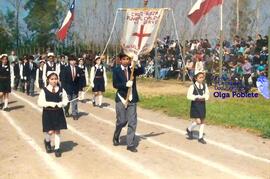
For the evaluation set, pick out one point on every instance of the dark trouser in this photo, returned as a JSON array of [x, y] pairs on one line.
[[246, 77], [31, 86], [16, 83], [74, 104], [126, 116], [41, 84], [24, 86]]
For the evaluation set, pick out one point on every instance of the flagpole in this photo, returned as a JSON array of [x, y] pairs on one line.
[[237, 17], [221, 41]]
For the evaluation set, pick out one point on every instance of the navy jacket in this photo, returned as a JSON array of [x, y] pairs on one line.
[[70, 86], [33, 72], [119, 82]]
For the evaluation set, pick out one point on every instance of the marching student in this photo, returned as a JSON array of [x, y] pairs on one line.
[[5, 80], [126, 114], [53, 98], [98, 81], [39, 80], [84, 77], [17, 77], [24, 72], [71, 84], [62, 65], [50, 65], [32, 75], [198, 93]]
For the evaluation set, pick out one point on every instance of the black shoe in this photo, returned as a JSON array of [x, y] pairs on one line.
[[94, 103], [57, 153], [132, 149], [48, 146], [116, 142], [100, 106], [190, 134], [201, 140], [6, 109], [1, 105], [75, 118], [67, 114]]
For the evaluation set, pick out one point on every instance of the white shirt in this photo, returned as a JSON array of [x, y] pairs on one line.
[[125, 68], [192, 97], [42, 98]]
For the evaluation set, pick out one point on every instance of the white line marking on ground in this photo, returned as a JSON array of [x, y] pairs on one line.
[[135, 166], [191, 156], [217, 144], [57, 169]]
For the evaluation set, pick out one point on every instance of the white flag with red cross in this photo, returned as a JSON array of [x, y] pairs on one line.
[[140, 30]]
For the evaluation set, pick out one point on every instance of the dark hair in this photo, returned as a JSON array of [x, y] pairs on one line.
[[196, 76], [122, 55], [72, 57], [48, 77]]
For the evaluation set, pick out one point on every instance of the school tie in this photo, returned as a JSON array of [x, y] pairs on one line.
[[126, 73], [73, 73], [53, 89]]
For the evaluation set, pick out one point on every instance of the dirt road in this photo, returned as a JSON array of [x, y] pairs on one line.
[[163, 150]]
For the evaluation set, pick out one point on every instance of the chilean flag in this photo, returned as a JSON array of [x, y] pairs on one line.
[[62, 32], [202, 7]]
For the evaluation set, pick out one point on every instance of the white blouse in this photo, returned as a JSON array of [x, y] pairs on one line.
[[42, 99], [192, 97]]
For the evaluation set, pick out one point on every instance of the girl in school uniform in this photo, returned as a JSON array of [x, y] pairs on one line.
[[198, 93], [84, 77], [5, 81], [53, 98], [98, 81]]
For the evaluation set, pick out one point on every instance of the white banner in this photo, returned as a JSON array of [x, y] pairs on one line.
[[140, 30]]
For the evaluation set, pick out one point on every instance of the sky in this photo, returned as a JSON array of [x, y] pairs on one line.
[[87, 19]]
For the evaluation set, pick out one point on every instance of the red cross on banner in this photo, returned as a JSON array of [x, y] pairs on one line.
[[140, 30], [141, 35]]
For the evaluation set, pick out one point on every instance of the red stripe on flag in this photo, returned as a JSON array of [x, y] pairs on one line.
[[205, 7], [62, 33]]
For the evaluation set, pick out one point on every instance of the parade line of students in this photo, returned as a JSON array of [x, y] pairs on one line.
[[63, 83]]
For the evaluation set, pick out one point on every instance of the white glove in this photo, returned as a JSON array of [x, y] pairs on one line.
[[129, 83], [24, 78], [92, 85], [60, 104]]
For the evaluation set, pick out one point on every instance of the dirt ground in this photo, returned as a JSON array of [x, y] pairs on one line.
[[163, 150]]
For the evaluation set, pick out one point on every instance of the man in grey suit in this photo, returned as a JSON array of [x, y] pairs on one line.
[[126, 115]]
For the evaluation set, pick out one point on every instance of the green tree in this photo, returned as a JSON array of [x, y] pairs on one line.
[[42, 21]]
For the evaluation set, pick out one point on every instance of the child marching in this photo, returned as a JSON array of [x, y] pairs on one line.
[[198, 93], [98, 81], [5, 81], [53, 98], [84, 78]]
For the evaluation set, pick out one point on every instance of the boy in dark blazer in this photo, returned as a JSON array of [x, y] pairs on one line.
[[31, 75], [70, 83], [126, 115]]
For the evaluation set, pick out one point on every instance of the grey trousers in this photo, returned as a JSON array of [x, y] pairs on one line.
[[74, 105], [126, 116]]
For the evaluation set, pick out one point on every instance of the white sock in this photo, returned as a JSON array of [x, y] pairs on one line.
[[201, 131], [192, 126], [5, 102], [47, 137], [94, 98], [56, 141], [100, 99], [97, 100]]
